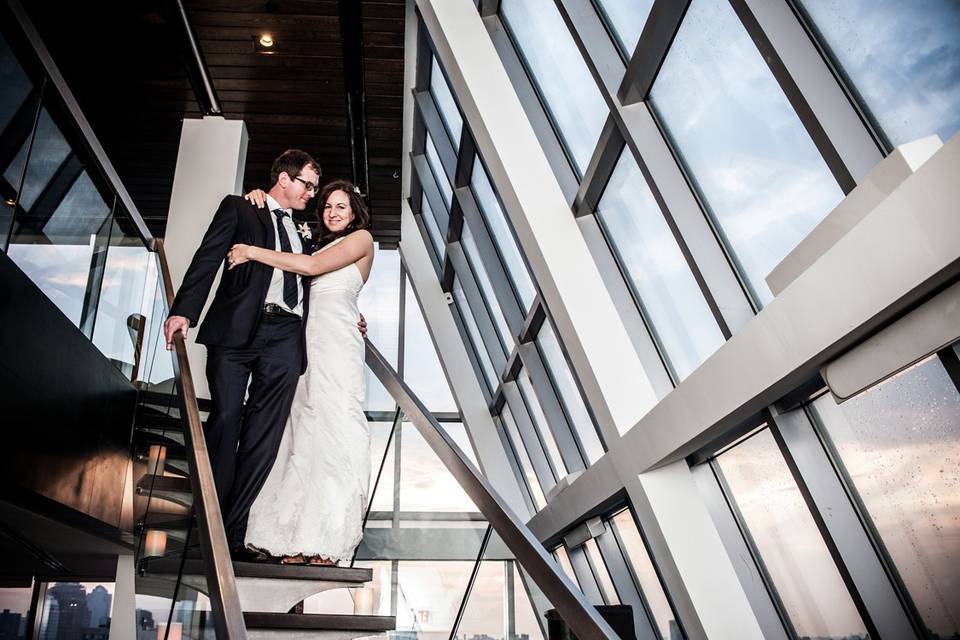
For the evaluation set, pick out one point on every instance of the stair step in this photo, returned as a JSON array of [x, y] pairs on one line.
[[160, 434], [169, 488], [264, 625], [266, 587]]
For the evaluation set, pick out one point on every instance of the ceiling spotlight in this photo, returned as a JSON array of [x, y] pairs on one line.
[[264, 43], [10, 202]]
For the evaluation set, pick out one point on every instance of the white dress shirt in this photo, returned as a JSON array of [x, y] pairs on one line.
[[275, 292]]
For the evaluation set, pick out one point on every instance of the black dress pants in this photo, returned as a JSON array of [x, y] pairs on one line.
[[243, 438]]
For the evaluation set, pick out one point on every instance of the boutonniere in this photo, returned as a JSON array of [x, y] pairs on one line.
[[304, 231]]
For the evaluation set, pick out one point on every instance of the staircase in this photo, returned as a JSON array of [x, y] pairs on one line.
[[171, 563]]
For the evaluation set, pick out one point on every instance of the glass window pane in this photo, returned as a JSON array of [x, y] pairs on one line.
[[900, 443], [124, 304], [15, 604], [569, 92], [486, 288], [425, 482], [636, 552], [540, 422], [900, 57], [788, 540], [656, 269], [429, 594], [626, 19], [380, 304], [421, 366], [433, 229], [486, 365], [509, 425], [17, 111], [381, 497], [72, 607], [484, 615], [433, 159], [760, 175], [500, 231], [600, 571], [560, 553], [446, 105], [568, 391]]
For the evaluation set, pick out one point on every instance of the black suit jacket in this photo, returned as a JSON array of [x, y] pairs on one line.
[[237, 307]]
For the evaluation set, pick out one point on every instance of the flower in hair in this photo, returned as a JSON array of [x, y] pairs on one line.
[[356, 190]]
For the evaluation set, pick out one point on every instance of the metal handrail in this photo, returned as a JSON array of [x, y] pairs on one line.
[[572, 606], [221, 582]]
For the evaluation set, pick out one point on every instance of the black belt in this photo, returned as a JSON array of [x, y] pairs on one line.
[[272, 309]]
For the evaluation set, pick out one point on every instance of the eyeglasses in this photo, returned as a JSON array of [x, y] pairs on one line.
[[309, 186]]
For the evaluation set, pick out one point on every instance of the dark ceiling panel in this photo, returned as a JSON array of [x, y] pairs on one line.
[[134, 88]]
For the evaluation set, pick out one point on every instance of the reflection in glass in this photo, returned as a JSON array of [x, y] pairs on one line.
[[626, 19], [502, 236], [900, 57], [421, 366], [540, 422], [788, 541], [486, 288], [899, 443], [656, 270], [70, 607], [553, 61], [433, 229], [436, 167], [646, 575], [568, 391], [490, 373], [446, 105], [380, 304], [761, 177], [509, 425], [125, 302], [425, 482], [16, 122]]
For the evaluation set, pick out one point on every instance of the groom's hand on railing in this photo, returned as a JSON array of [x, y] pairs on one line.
[[172, 325]]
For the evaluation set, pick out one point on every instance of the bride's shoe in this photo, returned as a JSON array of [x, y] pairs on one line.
[[320, 561], [297, 559]]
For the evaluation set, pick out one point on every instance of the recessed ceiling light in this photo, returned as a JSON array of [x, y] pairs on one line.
[[264, 43], [11, 202]]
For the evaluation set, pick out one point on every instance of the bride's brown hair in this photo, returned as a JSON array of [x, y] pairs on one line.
[[361, 213]]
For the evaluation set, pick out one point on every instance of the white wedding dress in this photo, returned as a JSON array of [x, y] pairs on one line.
[[315, 497]]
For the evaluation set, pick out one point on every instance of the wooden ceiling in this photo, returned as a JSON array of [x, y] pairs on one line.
[[127, 65]]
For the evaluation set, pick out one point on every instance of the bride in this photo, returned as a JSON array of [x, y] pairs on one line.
[[311, 507]]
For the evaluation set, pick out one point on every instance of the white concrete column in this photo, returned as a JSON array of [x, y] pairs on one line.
[[691, 556], [210, 165], [587, 321], [456, 365], [123, 619]]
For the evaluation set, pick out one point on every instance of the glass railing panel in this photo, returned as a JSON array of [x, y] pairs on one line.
[[62, 221], [126, 298]]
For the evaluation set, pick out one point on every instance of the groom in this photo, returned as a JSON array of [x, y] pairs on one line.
[[253, 330]]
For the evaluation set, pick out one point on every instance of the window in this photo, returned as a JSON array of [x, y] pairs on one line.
[[787, 540], [626, 19], [568, 392], [446, 105], [899, 443], [421, 366], [517, 444], [540, 422], [490, 373], [433, 228], [486, 288], [380, 304], [433, 159], [900, 58], [570, 95], [656, 270], [501, 233], [760, 176]]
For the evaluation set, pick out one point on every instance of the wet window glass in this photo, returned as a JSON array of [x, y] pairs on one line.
[[788, 541], [900, 58], [760, 175], [900, 443]]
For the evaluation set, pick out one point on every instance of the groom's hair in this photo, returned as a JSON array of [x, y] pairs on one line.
[[292, 162]]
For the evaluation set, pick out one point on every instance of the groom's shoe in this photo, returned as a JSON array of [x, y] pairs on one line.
[[248, 554]]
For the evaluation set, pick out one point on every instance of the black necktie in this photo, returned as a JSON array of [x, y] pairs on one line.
[[290, 294]]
